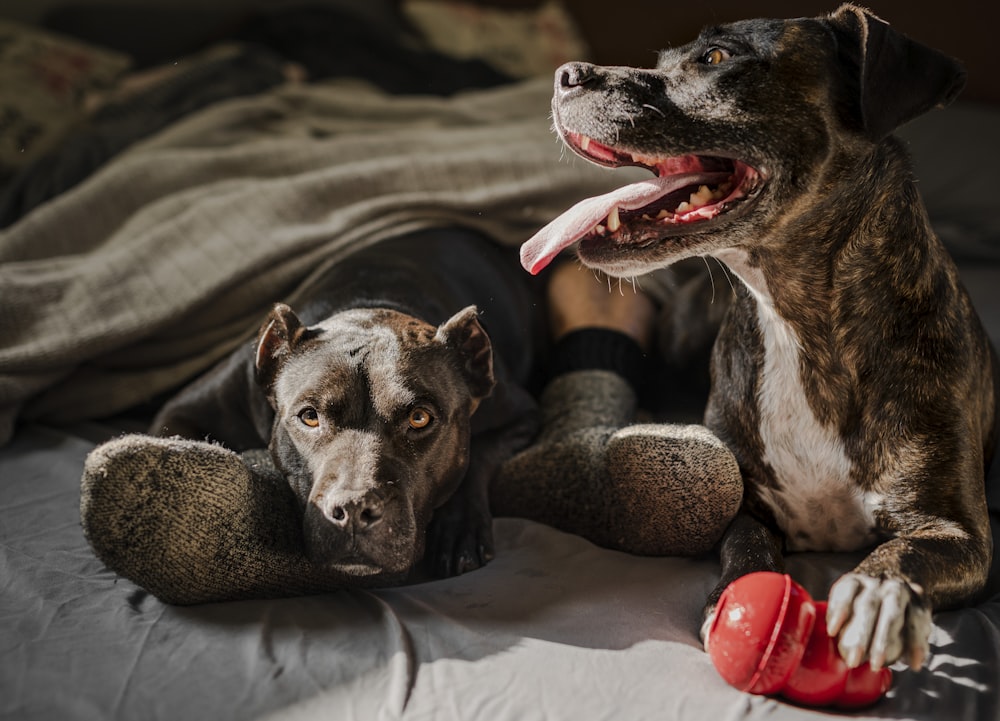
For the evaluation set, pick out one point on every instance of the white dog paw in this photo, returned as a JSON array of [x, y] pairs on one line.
[[706, 626], [879, 620]]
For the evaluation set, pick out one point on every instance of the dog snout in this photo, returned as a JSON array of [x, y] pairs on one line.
[[356, 512], [572, 76]]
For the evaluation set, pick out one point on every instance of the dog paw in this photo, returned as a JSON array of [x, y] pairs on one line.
[[879, 620], [706, 626], [459, 540]]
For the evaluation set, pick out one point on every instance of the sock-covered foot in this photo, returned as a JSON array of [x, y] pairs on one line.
[[674, 489], [192, 522], [651, 489], [561, 479]]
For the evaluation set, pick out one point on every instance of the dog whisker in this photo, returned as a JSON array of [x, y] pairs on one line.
[[726, 272], [654, 109], [711, 277]]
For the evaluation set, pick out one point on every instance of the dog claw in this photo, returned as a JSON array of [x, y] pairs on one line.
[[880, 621], [839, 606]]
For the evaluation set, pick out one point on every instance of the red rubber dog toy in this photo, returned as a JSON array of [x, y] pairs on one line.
[[769, 637]]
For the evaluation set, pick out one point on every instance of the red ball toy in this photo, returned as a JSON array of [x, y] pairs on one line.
[[769, 637]]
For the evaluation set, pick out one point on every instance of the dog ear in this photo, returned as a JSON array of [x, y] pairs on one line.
[[464, 333], [892, 78], [279, 333]]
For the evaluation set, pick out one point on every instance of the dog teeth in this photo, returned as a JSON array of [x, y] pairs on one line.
[[704, 196], [584, 142], [700, 199], [614, 222]]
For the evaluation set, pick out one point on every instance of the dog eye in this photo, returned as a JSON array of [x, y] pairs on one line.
[[309, 417], [715, 56], [419, 418]]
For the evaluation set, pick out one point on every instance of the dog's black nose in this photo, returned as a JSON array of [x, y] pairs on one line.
[[574, 75], [359, 513]]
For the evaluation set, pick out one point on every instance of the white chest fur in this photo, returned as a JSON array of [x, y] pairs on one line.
[[815, 499]]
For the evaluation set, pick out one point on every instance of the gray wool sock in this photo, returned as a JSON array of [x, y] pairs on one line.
[[585, 399], [673, 488], [192, 522], [649, 489]]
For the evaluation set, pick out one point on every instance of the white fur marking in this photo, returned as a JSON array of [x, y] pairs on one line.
[[816, 502], [352, 330]]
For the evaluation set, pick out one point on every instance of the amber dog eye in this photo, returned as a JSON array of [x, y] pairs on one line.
[[419, 418], [715, 56], [309, 417]]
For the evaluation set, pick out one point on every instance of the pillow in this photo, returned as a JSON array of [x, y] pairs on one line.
[[519, 42], [46, 79]]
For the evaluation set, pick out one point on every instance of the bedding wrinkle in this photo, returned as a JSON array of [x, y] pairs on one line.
[[369, 646], [402, 667], [131, 674], [224, 193], [965, 653]]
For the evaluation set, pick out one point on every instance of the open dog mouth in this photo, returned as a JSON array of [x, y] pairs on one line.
[[687, 190]]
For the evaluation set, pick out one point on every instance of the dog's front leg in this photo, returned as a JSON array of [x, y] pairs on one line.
[[460, 535], [882, 610], [937, 555], [747, 546]]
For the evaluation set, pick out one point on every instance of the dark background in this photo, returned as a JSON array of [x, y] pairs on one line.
[[618, 31]]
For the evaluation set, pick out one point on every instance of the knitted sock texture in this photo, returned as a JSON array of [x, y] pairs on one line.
[[649, 489], [192, 522]]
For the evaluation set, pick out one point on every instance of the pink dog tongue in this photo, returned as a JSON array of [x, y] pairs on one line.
[[539, 250]]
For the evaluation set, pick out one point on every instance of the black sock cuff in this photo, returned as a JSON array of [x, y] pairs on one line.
[[599, 349]]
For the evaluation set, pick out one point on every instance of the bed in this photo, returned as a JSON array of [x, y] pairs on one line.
[[145, 234]]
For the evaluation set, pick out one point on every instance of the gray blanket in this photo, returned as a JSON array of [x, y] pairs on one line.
[[165, 260]]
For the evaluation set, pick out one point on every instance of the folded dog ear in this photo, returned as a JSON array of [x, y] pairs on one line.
[[464, 333], [896, 78], [279, 333]]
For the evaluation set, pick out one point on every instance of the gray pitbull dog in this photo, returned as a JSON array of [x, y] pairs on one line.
[[851, 376], [384, 403]]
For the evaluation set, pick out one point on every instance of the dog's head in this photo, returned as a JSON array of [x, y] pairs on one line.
[[737, 127], [372, 426]]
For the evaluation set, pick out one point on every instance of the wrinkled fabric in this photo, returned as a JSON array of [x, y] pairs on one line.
[[325, 42], [166, 259], [553, 628]]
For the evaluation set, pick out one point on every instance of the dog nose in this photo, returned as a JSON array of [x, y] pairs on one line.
[[360, 513], [574, 75]]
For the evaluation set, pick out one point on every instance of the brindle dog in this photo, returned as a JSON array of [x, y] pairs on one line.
[[851, 376]]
